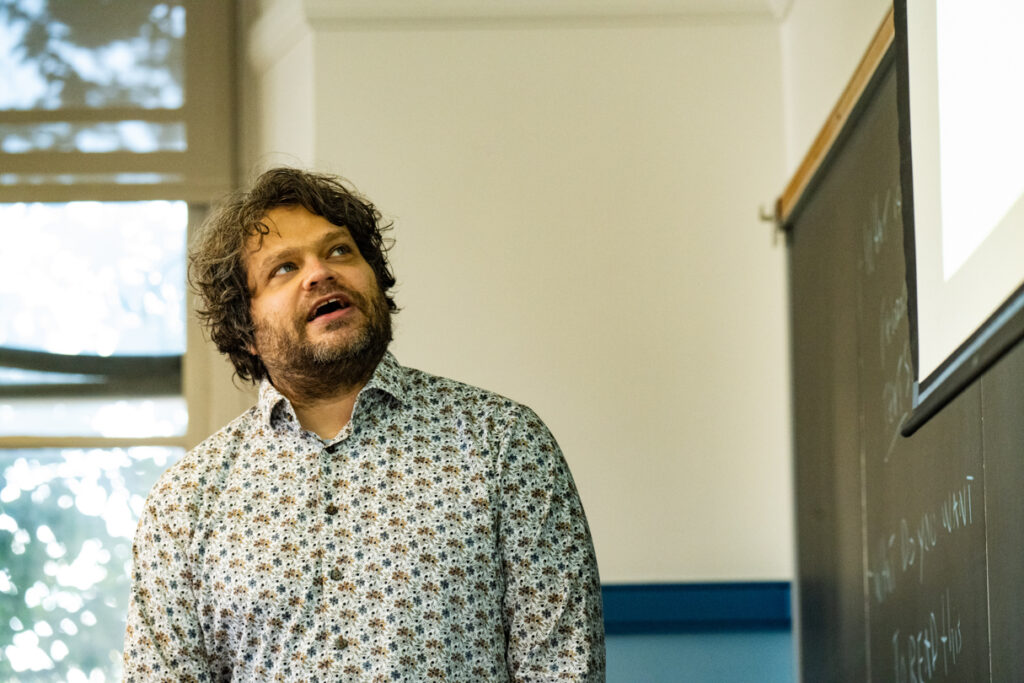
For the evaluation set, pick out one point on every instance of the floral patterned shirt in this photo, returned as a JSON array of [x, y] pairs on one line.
[[438, 537]]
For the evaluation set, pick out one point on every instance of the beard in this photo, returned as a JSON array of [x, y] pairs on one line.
[[310, 370]]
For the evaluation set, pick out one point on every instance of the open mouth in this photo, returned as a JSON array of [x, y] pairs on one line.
[[328, 307]]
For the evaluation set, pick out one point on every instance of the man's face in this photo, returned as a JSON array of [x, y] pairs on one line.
[[320, 318]]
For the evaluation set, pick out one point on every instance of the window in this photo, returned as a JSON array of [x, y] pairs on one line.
[[115, 133], [94, 308]]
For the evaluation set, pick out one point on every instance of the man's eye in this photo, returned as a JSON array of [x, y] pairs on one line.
[[341, 250], [283, 268]]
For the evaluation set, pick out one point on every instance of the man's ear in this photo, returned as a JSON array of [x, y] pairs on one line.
[[250, 345]]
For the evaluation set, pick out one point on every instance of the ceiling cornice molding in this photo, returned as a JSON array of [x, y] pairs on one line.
[[275, 32], [285, 22], [384, 11]]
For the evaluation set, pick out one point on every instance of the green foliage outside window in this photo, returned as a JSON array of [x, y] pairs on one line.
[[67, 518]]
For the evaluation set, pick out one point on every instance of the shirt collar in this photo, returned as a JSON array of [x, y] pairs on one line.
[[388, 377]]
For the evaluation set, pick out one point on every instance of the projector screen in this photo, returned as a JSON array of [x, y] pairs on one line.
[[965, 72]]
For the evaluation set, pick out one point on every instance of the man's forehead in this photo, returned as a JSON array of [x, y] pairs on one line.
[[277, 232]]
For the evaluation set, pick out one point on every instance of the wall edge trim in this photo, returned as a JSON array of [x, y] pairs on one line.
[[694, 607]]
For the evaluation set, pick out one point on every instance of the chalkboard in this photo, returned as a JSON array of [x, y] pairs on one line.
[[909, 561]]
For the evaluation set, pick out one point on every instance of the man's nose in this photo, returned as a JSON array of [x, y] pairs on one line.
[[317, 273]]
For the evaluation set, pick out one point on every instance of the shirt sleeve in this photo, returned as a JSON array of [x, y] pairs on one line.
[[163, 640], [553, 618]]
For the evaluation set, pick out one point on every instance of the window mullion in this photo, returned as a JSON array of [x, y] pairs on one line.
[[82, 115]]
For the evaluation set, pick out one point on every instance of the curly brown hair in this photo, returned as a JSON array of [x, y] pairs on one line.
[[216, 259]]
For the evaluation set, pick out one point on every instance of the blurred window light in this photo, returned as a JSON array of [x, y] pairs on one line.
[[91, 54], [116, 417], [141, 137], [16, 376], [99, 278], [30, 180], [64, 583]]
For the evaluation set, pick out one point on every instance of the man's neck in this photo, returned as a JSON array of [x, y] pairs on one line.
[[323, 397], [325, 417]]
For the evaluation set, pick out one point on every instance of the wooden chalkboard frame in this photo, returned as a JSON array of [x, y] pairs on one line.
[[1003, 330], [830, 136]]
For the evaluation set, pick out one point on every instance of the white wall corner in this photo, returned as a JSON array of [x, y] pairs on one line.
[[779, 8], [277, 30]]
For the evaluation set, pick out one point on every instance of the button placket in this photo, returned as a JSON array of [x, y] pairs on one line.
[[331, 510]]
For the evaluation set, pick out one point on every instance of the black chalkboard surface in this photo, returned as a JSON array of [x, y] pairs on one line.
[[910, 549]]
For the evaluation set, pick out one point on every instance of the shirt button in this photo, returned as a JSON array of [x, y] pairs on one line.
[[341, 642], [335, 574], [332, 509]]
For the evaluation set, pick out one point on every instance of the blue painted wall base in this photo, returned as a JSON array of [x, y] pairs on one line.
[[699, 633], [720, 657]]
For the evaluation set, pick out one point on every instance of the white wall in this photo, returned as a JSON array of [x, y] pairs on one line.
[[576, 202], [822, 43], [277, 90]]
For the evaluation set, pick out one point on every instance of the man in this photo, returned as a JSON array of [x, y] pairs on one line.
[[364, 521]]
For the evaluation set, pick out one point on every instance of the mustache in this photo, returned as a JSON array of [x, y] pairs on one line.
[[320, 291]]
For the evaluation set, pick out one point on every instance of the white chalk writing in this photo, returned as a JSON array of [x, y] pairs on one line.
[[885, 211], [892, 313], [933, 649], [896, 398], [905, 548]]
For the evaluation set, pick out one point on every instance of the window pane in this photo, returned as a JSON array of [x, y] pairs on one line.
[[67, 518], [91, 54], [113, 136], [121, 417], [37, 179], [99, 278], [18, 377]]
